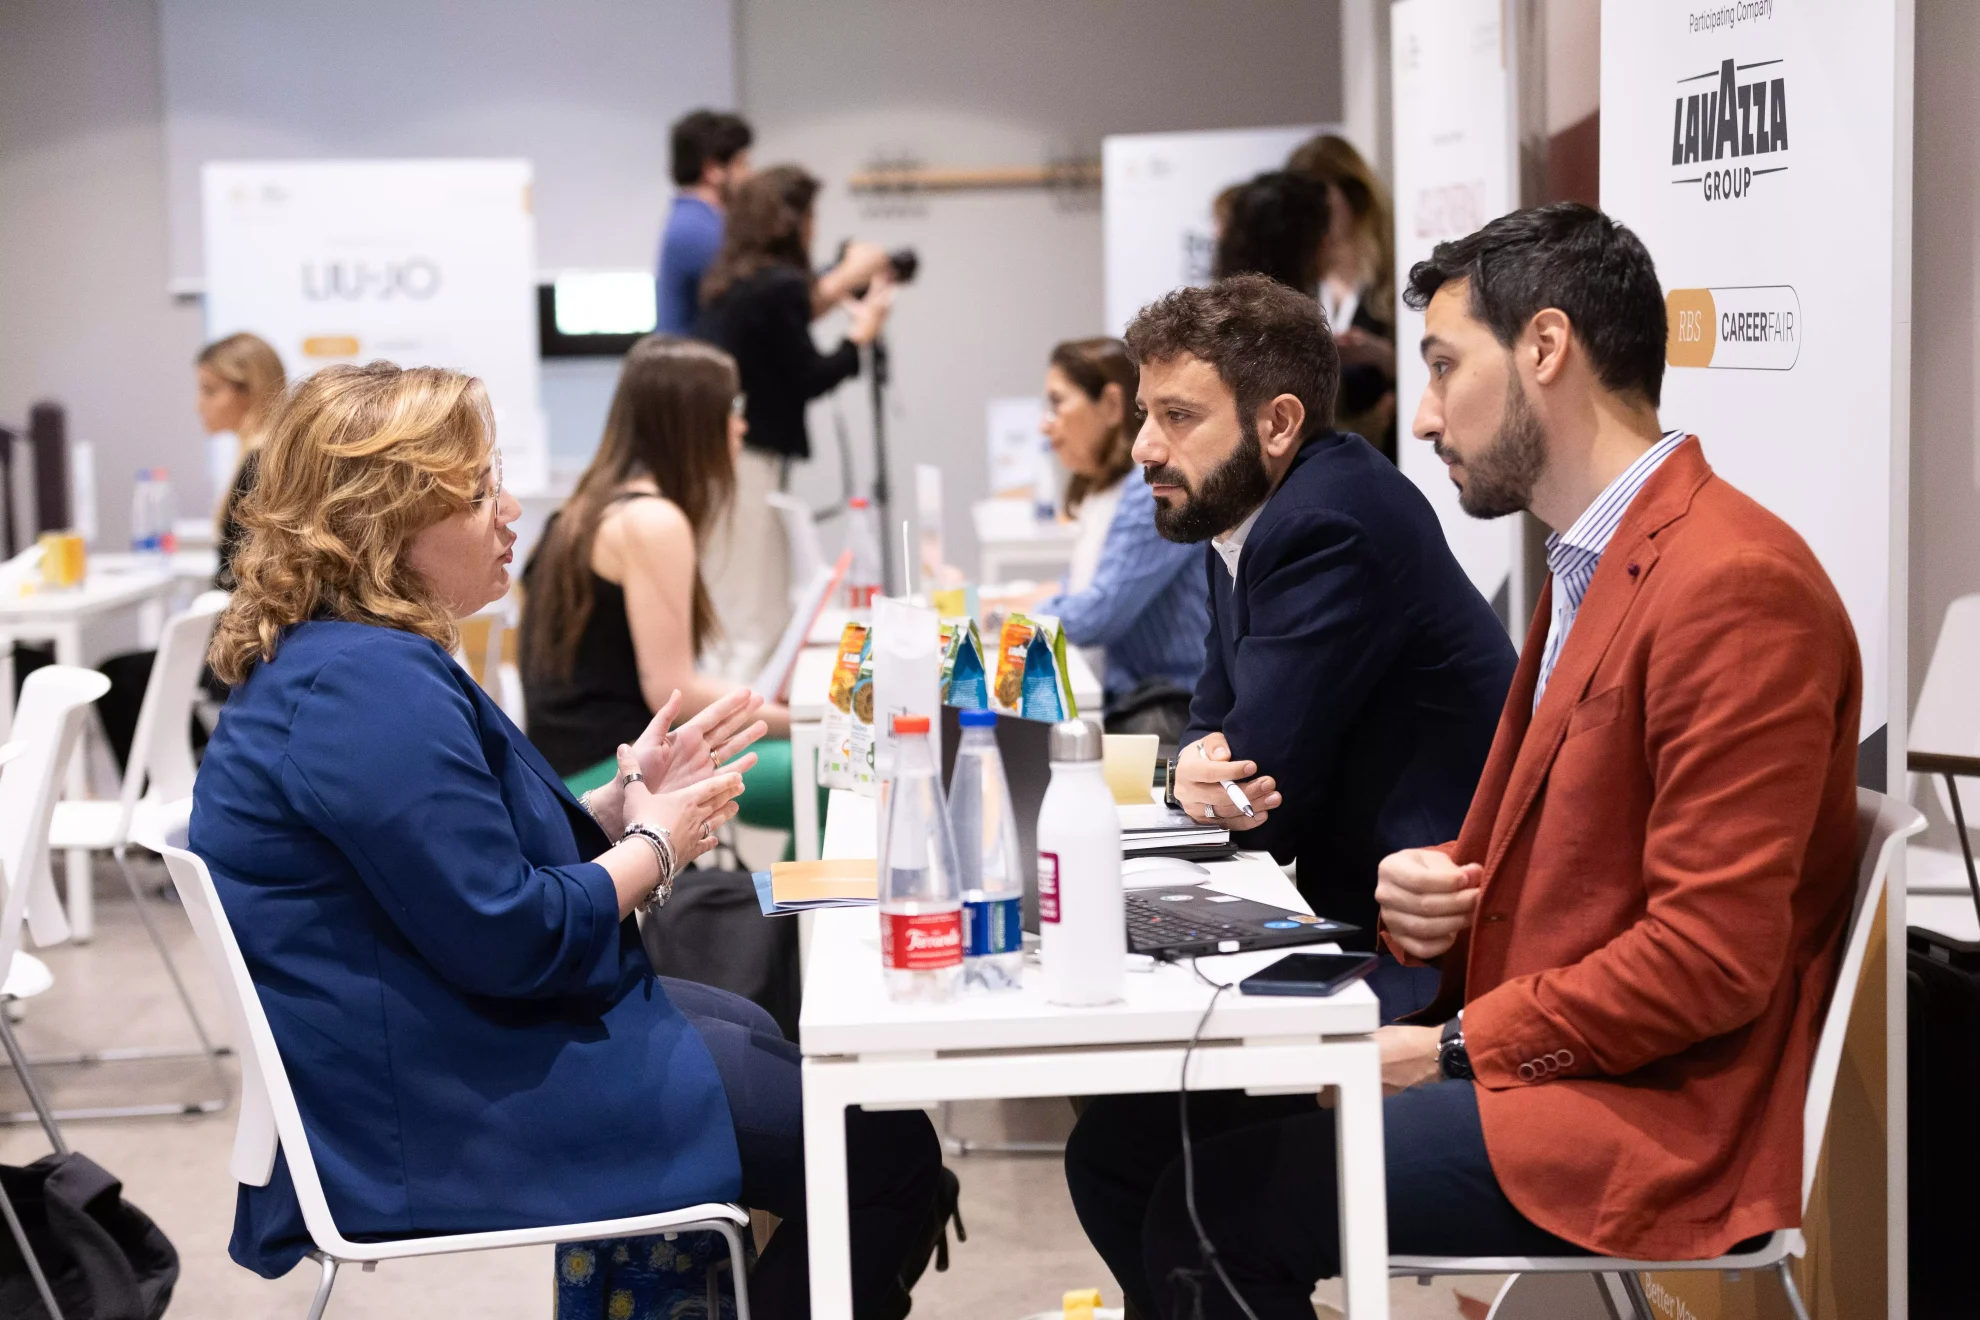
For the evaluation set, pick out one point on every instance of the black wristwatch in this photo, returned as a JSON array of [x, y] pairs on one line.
[[1452, 1060]]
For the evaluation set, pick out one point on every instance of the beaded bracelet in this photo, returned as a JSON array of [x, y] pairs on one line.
[[663, 851]]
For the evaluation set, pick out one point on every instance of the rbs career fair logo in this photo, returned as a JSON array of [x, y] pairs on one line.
[[1742, 120]]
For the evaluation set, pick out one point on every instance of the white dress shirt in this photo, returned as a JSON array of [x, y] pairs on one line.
[[1231, 544], [1573, 555]]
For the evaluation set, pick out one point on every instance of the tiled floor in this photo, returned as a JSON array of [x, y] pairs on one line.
[[1025, 1247]]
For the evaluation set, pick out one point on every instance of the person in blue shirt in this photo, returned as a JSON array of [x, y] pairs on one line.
[[441, 934], [710, 157], [1131, 596]]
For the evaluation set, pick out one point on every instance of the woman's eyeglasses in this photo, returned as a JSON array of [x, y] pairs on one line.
[[491, 484]]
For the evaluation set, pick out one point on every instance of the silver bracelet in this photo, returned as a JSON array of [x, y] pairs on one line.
[[663, 851]]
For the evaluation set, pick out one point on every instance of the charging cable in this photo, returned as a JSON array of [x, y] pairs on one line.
[[1204, 1246]]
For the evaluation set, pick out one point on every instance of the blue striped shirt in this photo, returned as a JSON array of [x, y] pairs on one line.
[[1574, 554], [1148, 603]]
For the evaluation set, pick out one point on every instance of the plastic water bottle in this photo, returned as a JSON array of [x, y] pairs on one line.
[[1082, 921], [920, 894], [863, 577], [987, 853], [151, 512]]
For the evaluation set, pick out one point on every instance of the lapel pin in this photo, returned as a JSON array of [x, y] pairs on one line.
[[1634, 570]]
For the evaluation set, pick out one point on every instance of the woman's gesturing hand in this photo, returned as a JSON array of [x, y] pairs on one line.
[[722, 731], [690, 815]]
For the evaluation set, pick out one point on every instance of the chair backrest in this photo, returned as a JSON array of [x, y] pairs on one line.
[[1882, 826], [161, 763], [806, 555], [269, 1119], [1948, 714], [54, 702]]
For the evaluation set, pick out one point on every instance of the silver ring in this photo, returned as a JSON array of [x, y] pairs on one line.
[[632, 777], [1210, 810]]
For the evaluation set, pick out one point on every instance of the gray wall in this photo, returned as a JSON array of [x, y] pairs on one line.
[[83, 218], [1004, 275], [1945, 290], [84, 316]]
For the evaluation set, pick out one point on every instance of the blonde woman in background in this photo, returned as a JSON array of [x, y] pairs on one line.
[[239, 382], [1357, 284]]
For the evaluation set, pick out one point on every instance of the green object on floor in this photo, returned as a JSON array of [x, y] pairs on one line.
[[766, 798]]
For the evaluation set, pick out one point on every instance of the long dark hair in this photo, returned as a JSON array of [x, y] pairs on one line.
[[670, 421], [1277, 223], [764, 227], [1093, 365]]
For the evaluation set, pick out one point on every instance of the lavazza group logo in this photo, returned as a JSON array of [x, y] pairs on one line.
[[1735, 125]]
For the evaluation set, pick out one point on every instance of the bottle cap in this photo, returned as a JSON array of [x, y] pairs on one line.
[[910, 724], [1076, 740], [977, 719]]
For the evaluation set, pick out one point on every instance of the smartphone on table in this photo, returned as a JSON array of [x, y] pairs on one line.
[[1309, 974]]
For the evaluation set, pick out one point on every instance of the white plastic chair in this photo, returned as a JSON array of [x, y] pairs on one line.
[[269, 1119], [54, 703], [160, 769], [1947, 722], [806, 555], [1883, 824]]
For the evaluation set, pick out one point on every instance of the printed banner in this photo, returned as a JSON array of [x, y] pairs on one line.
[[425, 263], [1751, 146], [1456, 168]]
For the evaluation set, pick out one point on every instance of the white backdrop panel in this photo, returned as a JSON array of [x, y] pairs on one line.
[[424, 263], [585, 91], [1456, 167], [1773, 227], [1156, 191]]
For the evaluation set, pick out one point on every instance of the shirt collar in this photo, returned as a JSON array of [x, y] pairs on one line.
[[1231, 544], [1591, 533]]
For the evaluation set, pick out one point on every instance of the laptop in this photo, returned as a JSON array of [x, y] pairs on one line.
[[1156, 926], [1183, 921]]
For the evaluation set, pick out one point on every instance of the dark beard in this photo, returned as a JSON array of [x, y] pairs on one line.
[[1501, 477], [1233, 489]]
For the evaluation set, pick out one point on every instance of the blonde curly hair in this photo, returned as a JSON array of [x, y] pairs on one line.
[[356, 462]]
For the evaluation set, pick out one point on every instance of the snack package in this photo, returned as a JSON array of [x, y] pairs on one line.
[[835, 750], [1032, 680], [963, 684], [859, 747]]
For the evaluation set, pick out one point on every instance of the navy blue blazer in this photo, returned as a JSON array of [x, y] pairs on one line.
[[1353, 660], [476, 1041]]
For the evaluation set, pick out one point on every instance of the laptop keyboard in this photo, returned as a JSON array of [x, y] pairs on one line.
[[1152, 924]]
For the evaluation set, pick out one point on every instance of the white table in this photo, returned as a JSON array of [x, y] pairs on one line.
[[811, 680], [115, 584], [1009, 532], [861, 1048]]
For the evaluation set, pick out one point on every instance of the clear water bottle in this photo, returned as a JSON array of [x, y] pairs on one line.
[[863, 577], [989, 857], [151, 512], [1082, 925], [920, 892]]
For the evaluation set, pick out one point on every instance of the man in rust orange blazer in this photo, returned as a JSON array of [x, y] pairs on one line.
[[1640, 920]]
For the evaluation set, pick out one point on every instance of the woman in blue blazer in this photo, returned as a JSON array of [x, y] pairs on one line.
[[439, 932]]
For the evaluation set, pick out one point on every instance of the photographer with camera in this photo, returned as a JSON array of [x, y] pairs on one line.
[[758, 301]]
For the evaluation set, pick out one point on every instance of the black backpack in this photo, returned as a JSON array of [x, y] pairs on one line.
[[104, 1258]]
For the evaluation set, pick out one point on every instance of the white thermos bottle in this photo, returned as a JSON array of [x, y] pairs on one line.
[[1082, 927]]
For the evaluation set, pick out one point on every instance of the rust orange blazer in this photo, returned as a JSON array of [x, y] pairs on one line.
[[1669, 851]]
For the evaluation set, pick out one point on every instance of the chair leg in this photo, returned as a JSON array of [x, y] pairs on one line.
[[33, 1089], [1793, 1292], [19, 1231], [738, 1270], [321, 1302], [1632, 1286]]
